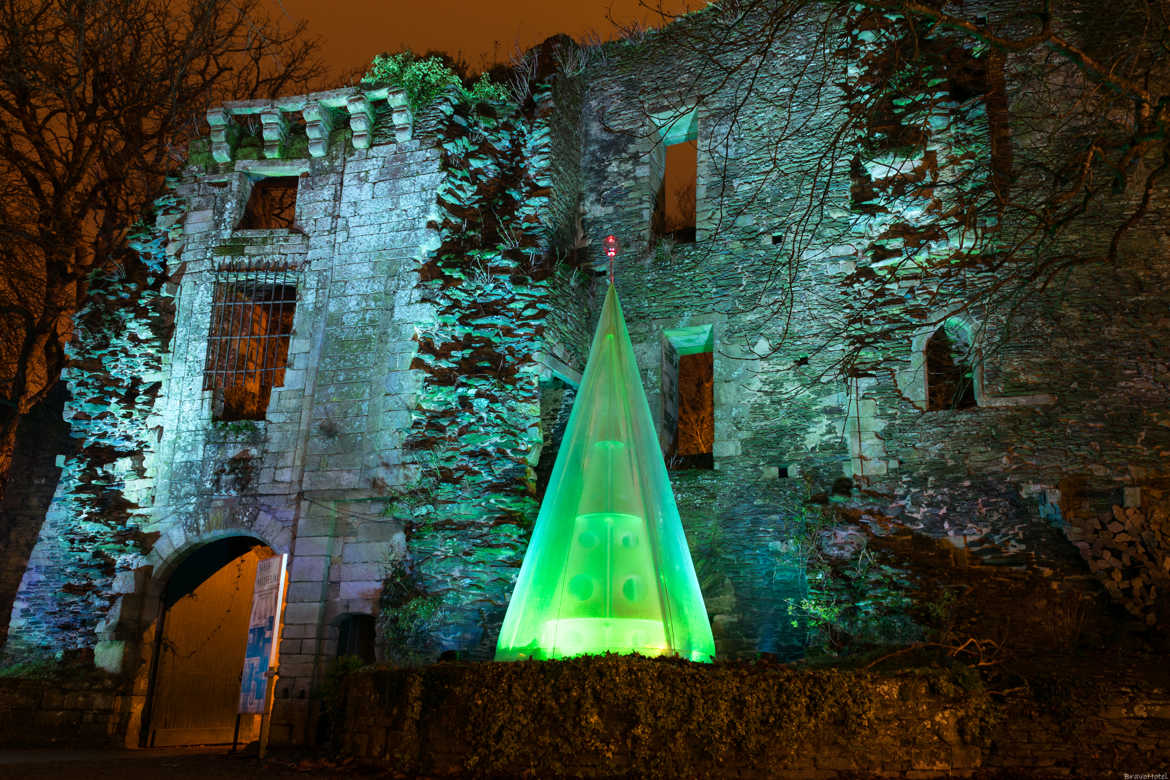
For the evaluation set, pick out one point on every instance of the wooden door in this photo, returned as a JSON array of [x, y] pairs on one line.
[[197, 687]]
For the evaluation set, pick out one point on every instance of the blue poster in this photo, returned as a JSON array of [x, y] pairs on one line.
[[260, 654]]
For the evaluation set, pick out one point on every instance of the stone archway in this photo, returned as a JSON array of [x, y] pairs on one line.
[[198, 645], [958, 337]]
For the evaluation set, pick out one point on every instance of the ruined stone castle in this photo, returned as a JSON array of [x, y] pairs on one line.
[[358, 323]]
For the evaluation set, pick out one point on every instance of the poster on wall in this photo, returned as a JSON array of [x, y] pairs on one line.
[[260, 655]]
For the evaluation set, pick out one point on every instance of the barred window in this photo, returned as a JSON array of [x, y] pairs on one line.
[[247, 350]]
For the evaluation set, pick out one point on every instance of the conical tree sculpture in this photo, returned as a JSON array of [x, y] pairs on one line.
[[608, 568]]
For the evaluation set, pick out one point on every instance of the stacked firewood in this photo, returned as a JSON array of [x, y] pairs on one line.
[[1129, 550]]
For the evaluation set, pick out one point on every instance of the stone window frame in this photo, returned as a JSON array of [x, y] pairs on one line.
[[258, 210], [670, 341], [918, 358], [251, 171], [669, 127], [912, 382]]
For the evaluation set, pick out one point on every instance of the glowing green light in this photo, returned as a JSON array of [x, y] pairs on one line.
[[608, 568]]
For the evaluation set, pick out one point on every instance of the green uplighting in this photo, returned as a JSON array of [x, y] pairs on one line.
[[608, 568]]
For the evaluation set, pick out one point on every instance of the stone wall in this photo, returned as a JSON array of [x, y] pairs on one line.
[[777, 412], [603, 717], [476, 435], [817, 265], [62, 712], [404, 230], [42, 438], [98, 527], [447, 266]]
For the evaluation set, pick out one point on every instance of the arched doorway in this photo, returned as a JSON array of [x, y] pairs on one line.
[[200, 638]]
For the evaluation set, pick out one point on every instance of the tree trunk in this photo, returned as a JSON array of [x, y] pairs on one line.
[[9, 422]]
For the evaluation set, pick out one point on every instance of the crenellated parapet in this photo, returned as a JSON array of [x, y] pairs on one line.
[[381, 112]]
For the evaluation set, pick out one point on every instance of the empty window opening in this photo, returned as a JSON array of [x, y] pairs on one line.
[[272, 204], [696, 405], [950, 376], [674, 205], [688, 383], [675, 164], [247, 350], [355, 637]]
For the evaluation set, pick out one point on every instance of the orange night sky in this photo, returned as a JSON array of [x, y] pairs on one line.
[[353, 31]]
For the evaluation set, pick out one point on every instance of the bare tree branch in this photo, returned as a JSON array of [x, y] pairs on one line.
[[97, 102]]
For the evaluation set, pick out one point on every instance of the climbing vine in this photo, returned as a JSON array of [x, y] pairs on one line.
[[475, 436], [98, 526]]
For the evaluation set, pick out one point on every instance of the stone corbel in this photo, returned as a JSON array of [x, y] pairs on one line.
[[318, 126], [400, 116], [224, 134], [274, 129], [361, 121]]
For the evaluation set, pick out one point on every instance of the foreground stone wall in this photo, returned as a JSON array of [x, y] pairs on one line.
[[608, 716], [63, 712]]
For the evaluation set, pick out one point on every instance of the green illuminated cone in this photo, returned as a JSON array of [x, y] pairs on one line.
[[608, 568]]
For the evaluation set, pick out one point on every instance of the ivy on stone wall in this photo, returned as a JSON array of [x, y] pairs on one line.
[[98, 525], [475, 435], [921, 195]]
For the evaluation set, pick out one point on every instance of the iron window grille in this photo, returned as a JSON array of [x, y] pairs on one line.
[[247, 344]]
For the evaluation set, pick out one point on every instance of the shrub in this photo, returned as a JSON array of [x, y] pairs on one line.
[[425, 78]]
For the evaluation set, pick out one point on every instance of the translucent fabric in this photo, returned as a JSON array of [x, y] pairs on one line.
[[608, 568]]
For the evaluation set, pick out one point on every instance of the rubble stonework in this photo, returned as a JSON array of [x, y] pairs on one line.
[[447, 266]]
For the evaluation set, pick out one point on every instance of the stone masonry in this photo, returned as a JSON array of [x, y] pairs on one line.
[[448, 264]]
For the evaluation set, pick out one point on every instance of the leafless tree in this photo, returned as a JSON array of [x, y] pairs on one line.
[[97, 101]]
